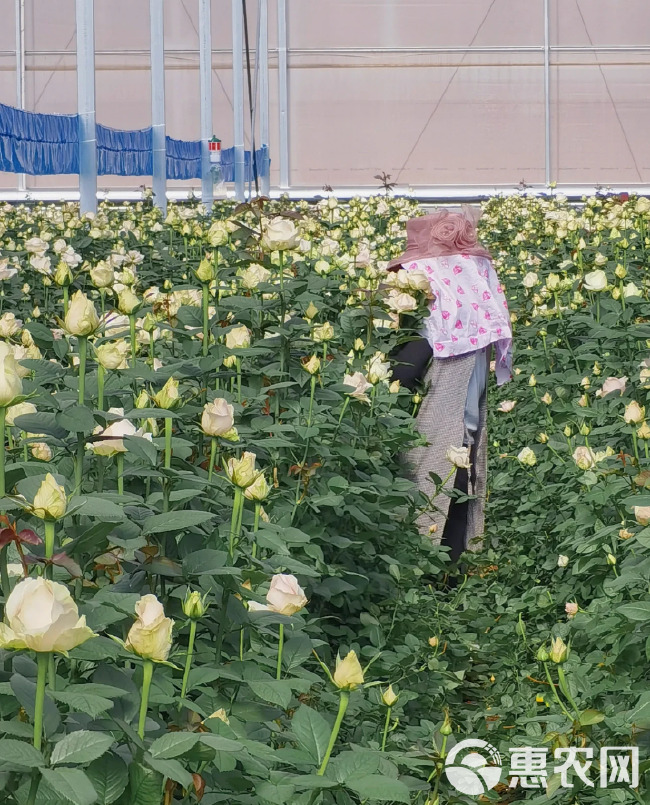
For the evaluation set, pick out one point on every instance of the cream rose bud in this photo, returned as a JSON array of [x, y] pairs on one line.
[[41, 451], [600, 259], [218, 234], [81, 318], [21, 409], [241, 471], [418, 281], [11, 385], [311, 311], [595, 280], [41, 615], [102, 275], [127, 302], [527, 457], [238, 338], [349, 673], [389, 697], [168, 397], [530, 280], [258, 490], [113, 435], [559, 651], [642, 514], [562, 560], [217, 417], [50, 502], [612, 385], [553, 282], [312, 366], [113, 355], [323, 332], [458, 456], [378, 369], [205, 271], [584, 457], [279, 234], [253, 275], [360, 385], [634, 413], [507, 406], [194, 605], [394, 387], [643, 432], [62, 275], [401, 302], [151, 635], [571, 609], [285, 595], [9, 325]]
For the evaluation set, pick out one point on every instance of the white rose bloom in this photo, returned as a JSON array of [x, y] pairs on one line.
[[41, 615], [285, 595], [458, 456], [279, 234], [11, 385], [595, 280], [9, 325], [360, 384], [378, 369], [217, 418]]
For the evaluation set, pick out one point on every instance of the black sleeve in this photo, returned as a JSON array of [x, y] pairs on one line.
[[409, 362]]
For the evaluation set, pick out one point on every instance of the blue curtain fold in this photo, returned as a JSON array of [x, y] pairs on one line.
[[49, 145]]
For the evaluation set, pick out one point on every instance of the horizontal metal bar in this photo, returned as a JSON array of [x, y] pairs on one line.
[[355, 51], [424, 195]]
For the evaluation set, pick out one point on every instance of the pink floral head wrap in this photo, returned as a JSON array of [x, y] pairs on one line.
[[441, 234]]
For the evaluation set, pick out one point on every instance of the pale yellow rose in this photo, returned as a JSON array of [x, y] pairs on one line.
[[258, 490], [217, 418], [128, 302], [253, 275], [634, 413], [205, 272], [584, 457], [378, 369], [312, 366], [527, 457], [323, 332], [9, 325], [285, 595], [21, 409], [279, 234], [642, 514], [168, 397], [102, 275], [113, 354], [81, 318], [41, 615], [241, 471], [50, 502], [151, 635], [360, 385], [389, 697], [348, 674], [238, 338], [559, 650]]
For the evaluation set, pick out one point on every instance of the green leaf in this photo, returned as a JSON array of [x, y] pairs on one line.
[[174, 521], [41, 422], [76, 419], [296, 652], [83, 702], [72, 784], [173, 744], [348, 765], [95, 506], [81, 746], [276, 691], [25, 691], [591, 717], [274, 794], [378, 788], [144, 786], [638, 611], [19, 753], [221, 744], [142, 448], [172, 769], [208, 561], [312, 732], [109, 776]]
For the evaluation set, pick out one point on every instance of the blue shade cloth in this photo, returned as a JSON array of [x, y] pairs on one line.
[[38, 144], [124, 153], [49, 145]]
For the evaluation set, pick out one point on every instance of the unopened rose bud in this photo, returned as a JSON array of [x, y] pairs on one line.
[[611, 559], [542, 438], [625, 534], [585, 430], [568, 432], [389, 697], [434, 641], [311, 311], [620, 271], [194, 605], [446, 728], [542, 654], [359, 346], [571, 609], [312, 366], [559, 651], [532, 381]]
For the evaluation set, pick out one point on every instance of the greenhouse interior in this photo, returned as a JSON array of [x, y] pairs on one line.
[[324, 388]]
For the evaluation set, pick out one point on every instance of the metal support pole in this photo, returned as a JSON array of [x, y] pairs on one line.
[[547, 94], [283, 94], [238, 96], [20, 70], [86, 105], [205, 70], [263, 61], [158, 142]]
